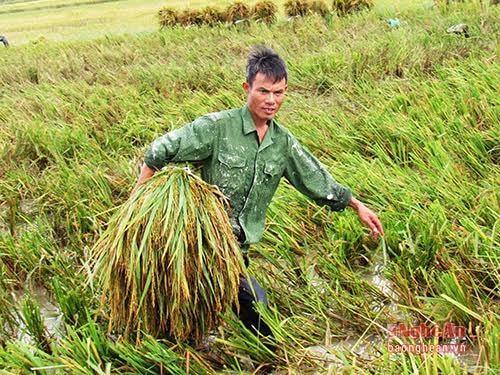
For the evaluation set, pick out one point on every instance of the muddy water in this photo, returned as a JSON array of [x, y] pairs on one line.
[[10, 213], [11, 222], [369, 347], [325, 356], [49, 312], [375, 276]]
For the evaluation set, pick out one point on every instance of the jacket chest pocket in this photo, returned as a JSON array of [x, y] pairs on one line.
[[231, 170], [273, 169], [232, 161], [231, 173]]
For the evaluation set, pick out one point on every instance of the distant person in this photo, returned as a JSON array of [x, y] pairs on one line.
[[245, 152], [4, 40]]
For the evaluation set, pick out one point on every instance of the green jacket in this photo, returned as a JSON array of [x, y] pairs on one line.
[[247, 172]]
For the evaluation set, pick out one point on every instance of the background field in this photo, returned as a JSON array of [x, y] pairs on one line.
[[25, 21], [407, 117]]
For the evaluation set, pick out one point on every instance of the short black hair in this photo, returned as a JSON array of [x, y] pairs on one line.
[[264, 60]]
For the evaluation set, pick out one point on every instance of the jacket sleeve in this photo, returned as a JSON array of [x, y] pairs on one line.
[[310, 177], [192, 142]]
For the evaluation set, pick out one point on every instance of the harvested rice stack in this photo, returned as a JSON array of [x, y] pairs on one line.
[[237, 11], [169, 262], [168, 17], [320, 7], [190, 17], [297, 8], [343, 7], [212, 16], [264, 11]]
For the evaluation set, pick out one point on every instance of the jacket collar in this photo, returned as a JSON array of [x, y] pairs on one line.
[[249, 126]]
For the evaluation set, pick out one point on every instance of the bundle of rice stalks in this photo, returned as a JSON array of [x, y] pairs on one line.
[[190, 17], [297, 8], [320, 7], [168, 17], [212, 16], [344, 7], [237, 11], [264, 11], [168, 261]]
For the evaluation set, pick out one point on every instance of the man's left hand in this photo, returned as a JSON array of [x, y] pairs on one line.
[[368, 217]]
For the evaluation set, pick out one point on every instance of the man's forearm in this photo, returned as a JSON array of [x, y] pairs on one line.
[[354, 203]]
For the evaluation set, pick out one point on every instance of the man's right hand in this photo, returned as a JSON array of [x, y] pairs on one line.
[[146, 174]]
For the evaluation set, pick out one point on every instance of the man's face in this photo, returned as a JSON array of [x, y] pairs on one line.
[[264, 97]]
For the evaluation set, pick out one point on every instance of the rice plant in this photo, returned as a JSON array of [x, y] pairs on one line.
[[297, 8], [165, 279], [489, 338], [34, 322], [19, 357], [264, 11], [7, 314], [72, 301]]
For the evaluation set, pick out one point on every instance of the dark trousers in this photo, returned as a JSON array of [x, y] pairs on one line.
[[250, 293], [247, 299]]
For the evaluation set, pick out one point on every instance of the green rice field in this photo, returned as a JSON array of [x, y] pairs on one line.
[[407, 117]]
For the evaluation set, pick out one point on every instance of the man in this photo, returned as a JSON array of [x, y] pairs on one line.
[[245, 152], [4, 40]]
